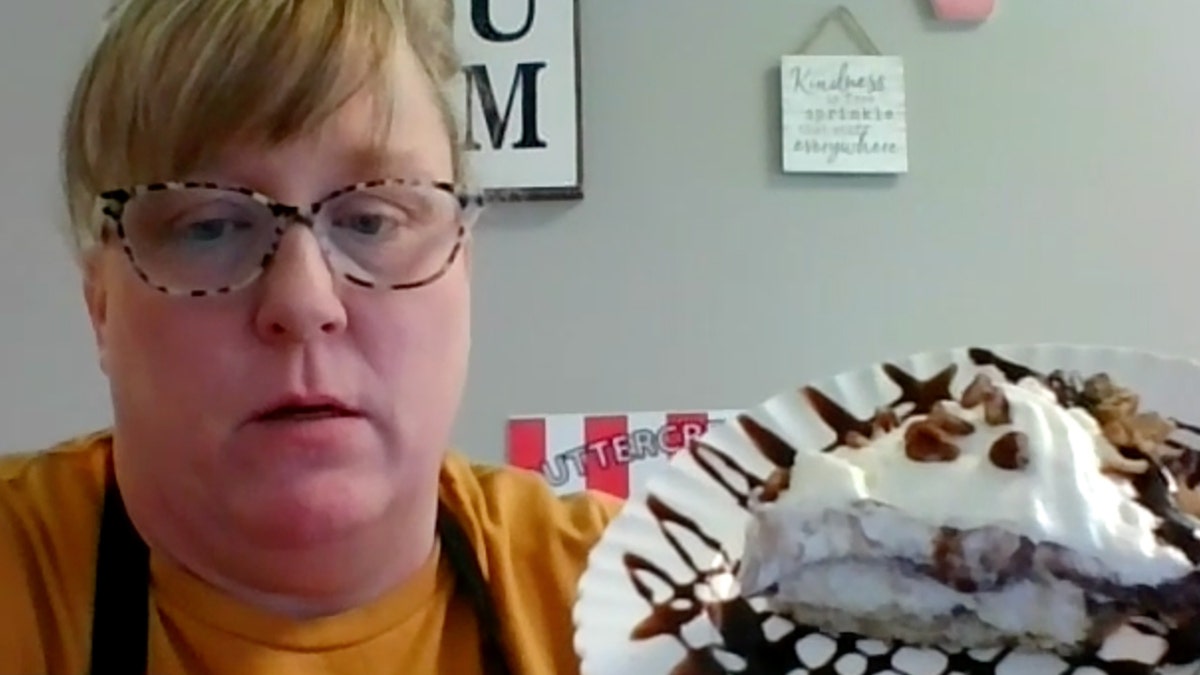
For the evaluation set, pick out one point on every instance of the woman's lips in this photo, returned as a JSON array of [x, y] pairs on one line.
[[299, 408]]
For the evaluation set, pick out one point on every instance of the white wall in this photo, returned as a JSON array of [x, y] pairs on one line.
[[50, 386], [1053, 194]]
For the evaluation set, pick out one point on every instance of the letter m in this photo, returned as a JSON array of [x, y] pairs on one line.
[[479, 84]]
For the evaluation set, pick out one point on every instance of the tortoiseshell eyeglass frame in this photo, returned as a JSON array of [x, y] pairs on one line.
[[113, 203]]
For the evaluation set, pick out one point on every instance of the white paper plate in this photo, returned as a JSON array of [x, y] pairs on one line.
[[663, 566]]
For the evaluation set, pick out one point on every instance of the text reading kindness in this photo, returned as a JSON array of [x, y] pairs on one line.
[[843, 114]]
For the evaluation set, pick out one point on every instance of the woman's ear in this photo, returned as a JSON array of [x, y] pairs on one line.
[[95, 296]]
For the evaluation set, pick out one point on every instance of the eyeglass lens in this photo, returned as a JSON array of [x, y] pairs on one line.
[[203, 239]]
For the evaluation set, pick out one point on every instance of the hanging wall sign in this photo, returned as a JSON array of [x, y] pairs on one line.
[[843, 114], [518, 96]]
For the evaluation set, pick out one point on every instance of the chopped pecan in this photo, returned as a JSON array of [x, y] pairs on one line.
[[1150, 433], [1145, 432], [947, 421], [1113, 462], [1188, 500], [977, 391], [926, 442], [1106, 400], [995, 408], [885, 420], [1115, 409], [1117, 433], [982, 391], [776, 484], [1010, 451]]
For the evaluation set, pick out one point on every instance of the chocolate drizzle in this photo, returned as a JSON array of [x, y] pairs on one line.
[[1186, 467], [1013, 372], [922, 394], [746, 645], [709, 457], [1154, 492], [844, 425], [774, 448], [683, 605]]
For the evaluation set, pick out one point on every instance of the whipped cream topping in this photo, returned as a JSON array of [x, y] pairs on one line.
[[1059, 494]]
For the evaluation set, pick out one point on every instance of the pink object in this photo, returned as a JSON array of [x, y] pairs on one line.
[[963, 10]]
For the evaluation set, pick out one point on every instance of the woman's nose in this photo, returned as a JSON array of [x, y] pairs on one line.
[[299, 299]]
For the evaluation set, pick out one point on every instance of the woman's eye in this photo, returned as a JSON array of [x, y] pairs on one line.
[[210, 230], [371, 224], [366, 223]]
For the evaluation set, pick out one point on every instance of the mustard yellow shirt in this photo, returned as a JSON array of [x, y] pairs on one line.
[[531, 545]]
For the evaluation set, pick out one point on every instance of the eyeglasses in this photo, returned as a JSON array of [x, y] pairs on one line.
[[198, 239]]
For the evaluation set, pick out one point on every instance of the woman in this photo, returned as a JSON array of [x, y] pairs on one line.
[[268, 209]]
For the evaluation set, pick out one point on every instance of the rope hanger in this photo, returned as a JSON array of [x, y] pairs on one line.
[[846, 19]]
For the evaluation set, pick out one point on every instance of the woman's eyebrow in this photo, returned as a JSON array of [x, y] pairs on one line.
[[374, 162]]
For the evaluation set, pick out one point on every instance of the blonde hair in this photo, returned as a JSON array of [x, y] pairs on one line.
[[172, 81]]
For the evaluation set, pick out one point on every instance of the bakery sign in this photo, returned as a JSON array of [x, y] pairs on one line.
[[518, 96], [615, 453]]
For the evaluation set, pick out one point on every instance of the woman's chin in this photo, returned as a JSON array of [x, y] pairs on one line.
[[310, 508]]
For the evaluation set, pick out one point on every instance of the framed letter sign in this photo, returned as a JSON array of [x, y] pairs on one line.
[[519, 96]]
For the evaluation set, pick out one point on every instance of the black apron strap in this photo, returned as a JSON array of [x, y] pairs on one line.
[[473, 586], [121, 617]]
